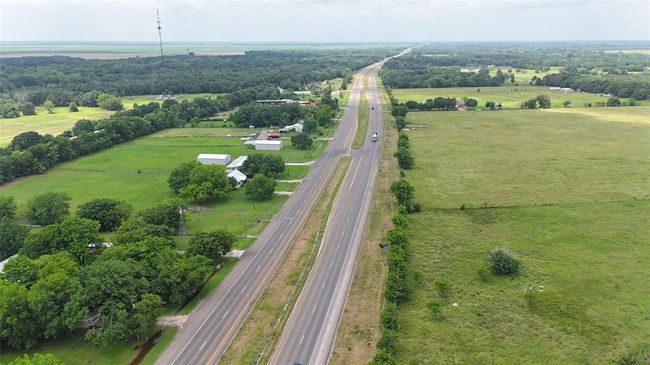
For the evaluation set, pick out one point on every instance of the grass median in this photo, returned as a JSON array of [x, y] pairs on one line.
[[265, 323], [359, 330]]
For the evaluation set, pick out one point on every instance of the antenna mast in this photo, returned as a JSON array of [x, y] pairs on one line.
[[162, 59]]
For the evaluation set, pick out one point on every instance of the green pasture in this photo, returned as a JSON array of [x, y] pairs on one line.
[[523, 76], [530, 157], [45, 123], [128, 101], [568, 192], [137, 172], [509, 96]]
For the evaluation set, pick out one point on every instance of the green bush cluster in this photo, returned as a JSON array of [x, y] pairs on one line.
[[399, 285], [503, 262]]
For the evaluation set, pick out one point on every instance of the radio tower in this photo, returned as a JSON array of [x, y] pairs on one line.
[[162, 59], [159, 77]]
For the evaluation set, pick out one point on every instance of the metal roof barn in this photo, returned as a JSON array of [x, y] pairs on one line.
[[268, 145], [213, 159]]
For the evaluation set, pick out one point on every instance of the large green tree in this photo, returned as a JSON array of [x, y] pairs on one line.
[[110, 213], [73, 234], [263, 163], [212, 245], [301, 141], [180, 176], [18, 327], [260, 187], [147, 311], [12, 237], [207, 183], [48, 208]]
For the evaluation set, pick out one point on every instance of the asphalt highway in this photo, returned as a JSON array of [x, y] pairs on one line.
[[309, 334], [211, 327]]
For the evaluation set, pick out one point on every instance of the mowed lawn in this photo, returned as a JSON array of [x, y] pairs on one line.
[[570, 196], [137, 173], [45, 123], [509, 96]]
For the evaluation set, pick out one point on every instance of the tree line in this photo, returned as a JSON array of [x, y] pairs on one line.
[[637, 86], [60, 78], [267, 115], [399, 281], [64, 277], [32, 153]]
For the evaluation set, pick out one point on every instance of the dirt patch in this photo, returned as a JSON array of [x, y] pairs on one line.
[[265, 323], [198, 208], [359, 330]]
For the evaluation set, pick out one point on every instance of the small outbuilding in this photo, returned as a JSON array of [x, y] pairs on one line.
[[294, 127], [274, 145], [237, 163], [238, 176], [213, 159]]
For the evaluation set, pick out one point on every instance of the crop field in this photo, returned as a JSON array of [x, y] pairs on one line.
[[509, 96], [569, 194], [45, 123], [137, 173]]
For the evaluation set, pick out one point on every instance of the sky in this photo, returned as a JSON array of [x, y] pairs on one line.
[[324, 21]]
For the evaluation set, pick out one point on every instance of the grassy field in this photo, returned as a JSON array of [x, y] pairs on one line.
[[137, 172], [128, 101], [569, 196], [523, 76], [509, 96], [521, 157], [45, 123]]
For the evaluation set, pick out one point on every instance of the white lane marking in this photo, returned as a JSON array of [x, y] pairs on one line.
[[331, 263], [301, 339], [225, 314], [355, 175], [322, 286], [272, 248], [202, 346], [258, 268], [242, 291], [337, 247], [313, 310]]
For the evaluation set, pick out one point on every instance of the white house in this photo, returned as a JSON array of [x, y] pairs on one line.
[[213, 159], [274, 145], [239, 177], [237, 163], [294, 127]]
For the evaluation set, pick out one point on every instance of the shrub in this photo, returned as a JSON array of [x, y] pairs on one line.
[[444, 289], [435, 309], [73, 107], [404, 158], [28, 109], [503, 262], [613, 101]]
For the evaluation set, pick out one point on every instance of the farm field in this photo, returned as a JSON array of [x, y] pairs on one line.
[[509, 96], [44, 123], [569, 194], [137, 172]]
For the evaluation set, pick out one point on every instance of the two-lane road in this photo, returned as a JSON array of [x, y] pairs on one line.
[[309, 334], [212, 326]]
